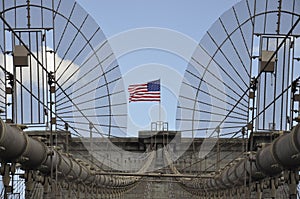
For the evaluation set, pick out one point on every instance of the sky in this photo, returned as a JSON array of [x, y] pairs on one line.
[[154, 39]]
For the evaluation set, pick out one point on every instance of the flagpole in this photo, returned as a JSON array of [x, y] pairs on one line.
[[159, 115], [159, 109]]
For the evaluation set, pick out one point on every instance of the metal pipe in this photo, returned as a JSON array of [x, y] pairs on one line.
[[16, 146], [12, 143], [32, 154], [282, 154], [35, 153]]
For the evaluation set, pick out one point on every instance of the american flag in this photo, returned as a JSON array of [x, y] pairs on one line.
[[145, 92]]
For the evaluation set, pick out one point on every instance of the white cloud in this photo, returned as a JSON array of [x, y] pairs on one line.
[[35, 72]]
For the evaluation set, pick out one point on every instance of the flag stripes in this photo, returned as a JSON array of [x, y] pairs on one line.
[[144, 92]]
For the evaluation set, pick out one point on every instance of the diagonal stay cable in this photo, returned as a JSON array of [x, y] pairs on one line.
[[38, 100], [270, 104], [43, 67], [280, 95], [286, 37], [274, 53]]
